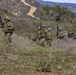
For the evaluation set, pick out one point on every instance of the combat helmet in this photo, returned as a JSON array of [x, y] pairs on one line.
[[60, 28], [7, 18], [43, 25], [49, 29]]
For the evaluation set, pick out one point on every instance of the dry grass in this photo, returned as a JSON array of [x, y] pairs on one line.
[[23, 55], [64, 45]]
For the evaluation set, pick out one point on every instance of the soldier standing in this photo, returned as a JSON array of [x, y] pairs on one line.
[[49, 37], [60, 33], [38, 37], [42, 36], [66, 39], [8, 30], [60, 36]]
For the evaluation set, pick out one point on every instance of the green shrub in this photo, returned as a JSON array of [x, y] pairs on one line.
[[9, 74], [43, 65]]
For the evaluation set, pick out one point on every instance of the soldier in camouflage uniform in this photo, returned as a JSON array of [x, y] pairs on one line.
[[60, 33], [60, 36], [41, 36], [8, 30], [49, 37], [66, 39], [38, 38]]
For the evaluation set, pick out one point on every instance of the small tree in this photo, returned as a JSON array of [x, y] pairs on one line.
[[46, 9]]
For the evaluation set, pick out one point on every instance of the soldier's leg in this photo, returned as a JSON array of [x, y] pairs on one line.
[[58, 41], [47, 43], [5, 42], [44, 42], [5, 38], [9, 37], [40, 42], [50, 42]]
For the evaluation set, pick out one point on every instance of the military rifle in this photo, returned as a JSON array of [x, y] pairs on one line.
[[1, 23], [40, 23], [57, 19]]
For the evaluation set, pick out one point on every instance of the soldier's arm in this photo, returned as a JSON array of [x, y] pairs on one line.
[[12, 27], [2, 25], [38, 35]]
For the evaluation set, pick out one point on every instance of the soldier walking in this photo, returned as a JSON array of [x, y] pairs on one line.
[[8, 30], [41, 36]]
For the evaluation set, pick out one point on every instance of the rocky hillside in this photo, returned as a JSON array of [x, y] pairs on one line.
[[19, 8]]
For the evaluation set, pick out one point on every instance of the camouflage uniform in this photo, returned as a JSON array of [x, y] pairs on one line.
[[38, 37], [8, 30], [60, 37], [1, 23], [66, 39], [41, 36], [49, 37], [60, 33]]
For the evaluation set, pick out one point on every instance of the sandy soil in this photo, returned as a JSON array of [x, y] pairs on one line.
[[32, 10]]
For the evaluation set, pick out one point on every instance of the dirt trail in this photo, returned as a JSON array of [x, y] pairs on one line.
[[32, 10]]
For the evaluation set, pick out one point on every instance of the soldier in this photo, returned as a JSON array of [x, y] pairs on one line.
[[60, 36], [60, 33], [66, 39], [8, 30], [49, 37], [38, 37], [41, 38]]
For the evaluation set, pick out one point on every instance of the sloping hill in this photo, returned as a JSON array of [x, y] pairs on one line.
[[32, 10], [21, 8]]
